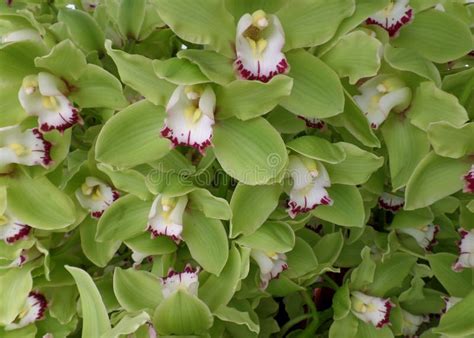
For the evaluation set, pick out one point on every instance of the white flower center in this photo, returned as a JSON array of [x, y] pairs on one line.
[[92, 191], [19, 149]]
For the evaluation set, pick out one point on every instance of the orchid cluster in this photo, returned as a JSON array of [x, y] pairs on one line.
[[236, 168]]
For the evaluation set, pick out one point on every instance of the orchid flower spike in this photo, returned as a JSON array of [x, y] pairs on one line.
[[380, 95], [411, 323], [25, 34], [186, 280], [469, 181], [27, 147], [391, 202], [466, 250], [259, 43], [425, 236], [310, 180], [190, 117], [34, 309], [42, 95], [96, 196], [166, 217], [271, 264], [393, 17], [374, 310]]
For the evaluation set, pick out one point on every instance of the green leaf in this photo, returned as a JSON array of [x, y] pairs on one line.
[[151, 246], [285, 122], [318, 148], [348, 207], [390, 274], [124, 219], [363, 274], [310, 23], [127, 325], [182, 314], [207, 241], [136, 71], [218, 291], [317, 91], [132, 136], [363, 9], [83, 29], [270, 237], [342, 302], [204, 22], [250, 151], [301, 260], [128, 180], [345, 327], [412, 218], [356, 168], [131, 14], [229, 314], [215, 66], [179, 71], [435, 177], [15, 285], [248, 99], [282, 287], [39, 203], [458, 284], [211, 206], [65, 60], [451, 141], [99, 253], [436, 35], [368, 330], [98, 88], [95, 320], [348, 59], [245, 217], [407, 146], [354, 120], [137, 290], [410, 60], [16, 62], [329, 247], [431, 104], [459, 320]]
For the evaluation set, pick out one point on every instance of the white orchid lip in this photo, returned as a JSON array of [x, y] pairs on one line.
[[374, 310], [425, 236], [138, 258], [469, 181], [186, 280], [450, 302], [11, 229], [89, 5], [411, 323], [271, 265], [166, 217], [466, 250], [310, 180], [313, 122], [24, 34], [35, 308], [259, 43], [393, 17], [96, 196], [391, 202], [190, 117], [25, 147], [42, 95], [380, 95]]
